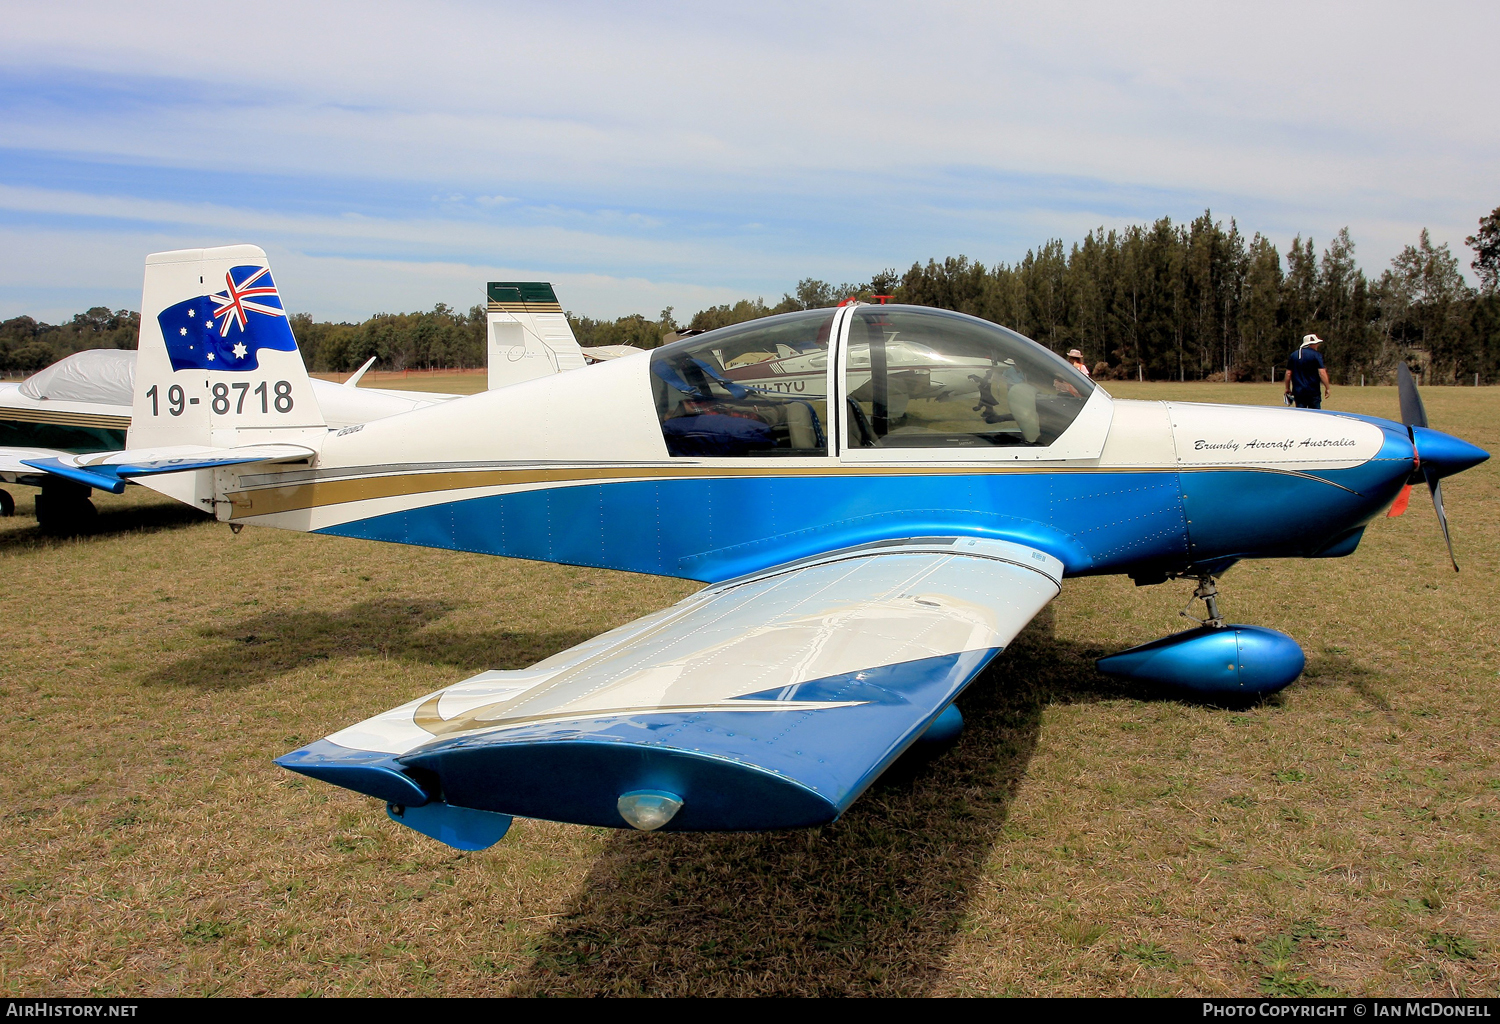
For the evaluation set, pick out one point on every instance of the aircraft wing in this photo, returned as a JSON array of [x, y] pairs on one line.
[[766, 702], [14, 469]]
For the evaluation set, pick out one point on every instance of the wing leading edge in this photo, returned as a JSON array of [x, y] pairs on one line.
[[766, 702]]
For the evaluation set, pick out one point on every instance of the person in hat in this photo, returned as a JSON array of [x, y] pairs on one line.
[[1076, 358], [1305, 372]]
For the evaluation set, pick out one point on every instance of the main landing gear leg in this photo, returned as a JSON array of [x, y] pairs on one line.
[[1207, 592], [63, 508]]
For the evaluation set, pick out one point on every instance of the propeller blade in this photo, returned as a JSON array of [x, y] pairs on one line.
[[1413, 414], [1436, 486], [1399, 505]]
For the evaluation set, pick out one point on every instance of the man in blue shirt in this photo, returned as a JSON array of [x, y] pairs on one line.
[[1305, 371]]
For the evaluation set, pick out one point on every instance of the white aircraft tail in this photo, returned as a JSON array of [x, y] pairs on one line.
[[218, 366], [529, 336]]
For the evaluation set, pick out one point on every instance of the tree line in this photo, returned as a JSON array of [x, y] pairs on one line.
[[27, 345], [1163, 301], [1199, 301]]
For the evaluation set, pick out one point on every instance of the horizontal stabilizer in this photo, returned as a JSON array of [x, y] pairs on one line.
[[109, 471], [354, 380]]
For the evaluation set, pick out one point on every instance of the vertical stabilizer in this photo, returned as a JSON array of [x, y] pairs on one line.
[[218, 365], [529, 336]]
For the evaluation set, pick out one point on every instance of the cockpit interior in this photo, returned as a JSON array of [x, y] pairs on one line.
[[913, 377]]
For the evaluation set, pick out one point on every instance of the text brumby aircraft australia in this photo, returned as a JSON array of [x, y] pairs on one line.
[[878, 497]]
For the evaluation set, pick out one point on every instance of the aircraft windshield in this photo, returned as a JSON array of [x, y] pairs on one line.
[[929, 378], [757, 388]]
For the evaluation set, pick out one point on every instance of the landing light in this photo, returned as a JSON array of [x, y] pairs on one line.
[[648, 810]]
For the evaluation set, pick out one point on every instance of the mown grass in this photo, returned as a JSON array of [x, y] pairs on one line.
[[1079, 838], [454, 382]]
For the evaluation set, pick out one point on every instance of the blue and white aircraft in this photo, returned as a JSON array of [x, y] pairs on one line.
[[877, 497]]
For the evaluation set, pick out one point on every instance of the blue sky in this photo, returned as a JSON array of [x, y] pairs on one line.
[[391, 155]]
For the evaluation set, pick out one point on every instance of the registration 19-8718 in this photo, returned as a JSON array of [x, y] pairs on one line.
[[270, 397]]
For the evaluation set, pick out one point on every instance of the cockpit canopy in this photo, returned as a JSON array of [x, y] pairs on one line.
[[914, 377]]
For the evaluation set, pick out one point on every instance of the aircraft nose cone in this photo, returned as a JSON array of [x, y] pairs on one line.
[[1444, 453]]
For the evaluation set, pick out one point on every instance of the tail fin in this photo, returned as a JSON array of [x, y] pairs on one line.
[[218, 365], [529, 335]]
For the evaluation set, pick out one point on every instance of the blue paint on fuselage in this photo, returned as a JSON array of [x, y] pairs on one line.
[[713, 529], [1093, 521]]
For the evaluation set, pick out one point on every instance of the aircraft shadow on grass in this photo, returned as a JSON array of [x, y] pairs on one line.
[[258, 649], [111, 521], [869, 904]]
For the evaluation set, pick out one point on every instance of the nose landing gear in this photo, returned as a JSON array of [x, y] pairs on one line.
[[1207, 591]]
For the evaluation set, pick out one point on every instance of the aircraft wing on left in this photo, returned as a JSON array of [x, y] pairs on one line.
[[14, 469], [762, 703]]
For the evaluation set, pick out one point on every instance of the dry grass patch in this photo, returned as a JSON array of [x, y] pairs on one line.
[[453, 382], [1080, 837]]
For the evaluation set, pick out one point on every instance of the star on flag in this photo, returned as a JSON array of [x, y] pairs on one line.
[[249, 302]]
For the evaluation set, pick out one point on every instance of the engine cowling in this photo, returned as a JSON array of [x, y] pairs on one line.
[[1230, 661]]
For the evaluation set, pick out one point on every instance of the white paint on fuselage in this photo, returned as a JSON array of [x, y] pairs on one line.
[[604, 414], [1264, 437]]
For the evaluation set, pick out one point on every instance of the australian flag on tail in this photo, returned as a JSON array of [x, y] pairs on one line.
[[227, 330]]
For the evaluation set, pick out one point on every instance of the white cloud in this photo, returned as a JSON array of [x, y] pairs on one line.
[[51, 274], [743, 147]]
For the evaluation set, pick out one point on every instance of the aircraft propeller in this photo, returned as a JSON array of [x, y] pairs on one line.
[[1414, 415]]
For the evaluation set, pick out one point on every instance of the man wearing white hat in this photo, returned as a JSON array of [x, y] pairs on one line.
[[1304, 372]]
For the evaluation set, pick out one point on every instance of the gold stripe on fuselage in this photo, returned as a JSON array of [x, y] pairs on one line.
[[59, 418], [525, 307], [293, 497]]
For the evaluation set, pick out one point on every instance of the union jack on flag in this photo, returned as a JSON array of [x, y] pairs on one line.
[[236, 298], [227, 330]]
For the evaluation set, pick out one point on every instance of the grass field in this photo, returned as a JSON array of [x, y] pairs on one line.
[[1079, 839], [454, 382]]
